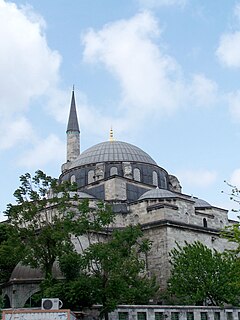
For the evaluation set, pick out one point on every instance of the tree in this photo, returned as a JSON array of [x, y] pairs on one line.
[[205, 276], [109, 269], [8, 243], [118, 267], [108, 272], [41, 219]]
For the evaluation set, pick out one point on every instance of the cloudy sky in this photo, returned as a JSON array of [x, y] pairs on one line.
[[165, 74]]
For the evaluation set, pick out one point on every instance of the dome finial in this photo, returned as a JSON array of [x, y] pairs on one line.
[[111, 135]]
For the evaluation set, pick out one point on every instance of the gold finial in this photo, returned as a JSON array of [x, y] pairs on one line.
[[111, 135]]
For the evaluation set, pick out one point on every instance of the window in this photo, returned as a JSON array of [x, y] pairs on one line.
[[216, 315], [204, 316], [190, 316], [155, 178], [163, 181], [73, 179], [136, 174], [141, 316], [90, 176], [205, 222], [159, 316], [113, 171], [174, 315], [123, 316], [229, 316], [238, 315]]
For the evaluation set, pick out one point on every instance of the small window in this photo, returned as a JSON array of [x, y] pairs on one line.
[[73, 179], [113, 171], [136, 174], [205, 222], [229, 316], [123, 316], [141, 316], [155, 178], [204, 316], [174, 315], [190, 316], [159, 316], [216, 315], [90, 176]]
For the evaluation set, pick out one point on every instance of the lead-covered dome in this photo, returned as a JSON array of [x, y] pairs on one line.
[[157, 194], [112, 151]]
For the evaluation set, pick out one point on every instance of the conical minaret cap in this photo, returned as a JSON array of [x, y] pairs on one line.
[[73, 120]]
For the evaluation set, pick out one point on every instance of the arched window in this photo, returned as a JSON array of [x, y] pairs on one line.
[[163, 180], [113, 171], [155, 178], [73, 179], [205, 222], [90, 176], [136, 174]]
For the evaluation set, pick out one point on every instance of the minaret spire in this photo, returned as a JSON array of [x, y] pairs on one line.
[[73, 132]]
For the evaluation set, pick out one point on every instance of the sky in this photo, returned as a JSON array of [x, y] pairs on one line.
[[165, 74]]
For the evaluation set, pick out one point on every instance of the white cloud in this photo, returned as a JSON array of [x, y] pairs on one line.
[[236, 10], [204, 92], [51, 149], [148, 77], [28, 70], [228, 51], [197, 178], [160, 3], [234, 104], [16, 131], [152, 82], [28, 67], [235, 178]]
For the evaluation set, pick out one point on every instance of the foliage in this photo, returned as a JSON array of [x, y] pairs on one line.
[[41, 219], [201, 275], [8, 244], [118, 267], [110, 272], [111, 267]]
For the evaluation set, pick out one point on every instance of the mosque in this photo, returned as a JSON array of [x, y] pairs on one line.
[[140, 192]]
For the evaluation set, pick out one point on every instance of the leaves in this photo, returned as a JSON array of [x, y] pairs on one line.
[[201, 275], [42, 219]]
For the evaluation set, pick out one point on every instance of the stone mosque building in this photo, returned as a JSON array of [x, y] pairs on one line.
[[140, 191]]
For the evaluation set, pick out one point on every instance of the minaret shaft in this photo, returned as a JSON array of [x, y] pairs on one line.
[[73, 133]]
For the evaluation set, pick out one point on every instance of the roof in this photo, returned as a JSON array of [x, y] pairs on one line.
[[73, 120], [157, 194], [112, 151], [200, 203], [22, 272]]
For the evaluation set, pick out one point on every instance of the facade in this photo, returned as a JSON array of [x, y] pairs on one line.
[[140, 192], [153, 312]]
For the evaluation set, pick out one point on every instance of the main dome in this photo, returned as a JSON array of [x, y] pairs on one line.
[[112, 151]]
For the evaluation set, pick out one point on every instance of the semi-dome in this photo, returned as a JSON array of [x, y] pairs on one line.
[[157, 194], [200, 203], [22, 272], [112, 151]]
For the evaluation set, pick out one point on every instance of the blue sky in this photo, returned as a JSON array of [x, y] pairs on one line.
[[163, 73]]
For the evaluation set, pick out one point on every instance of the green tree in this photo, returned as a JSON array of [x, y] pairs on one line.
[[41, 219], [110, 267], [8, 244], [117, 267], [201, 275], [108, 272]]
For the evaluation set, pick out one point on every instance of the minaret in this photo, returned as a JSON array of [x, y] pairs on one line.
[[73, 132]]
